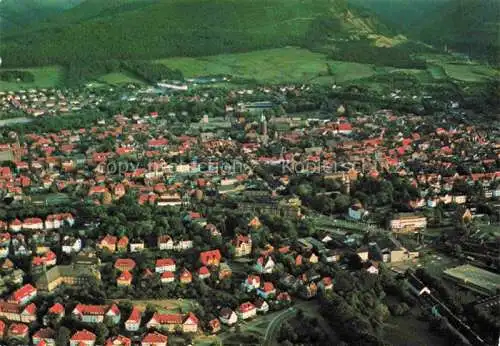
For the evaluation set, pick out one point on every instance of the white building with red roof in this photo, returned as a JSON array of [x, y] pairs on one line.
[[118, 340], [32, 223], [23, 295], [134, 320], [171, 322], [154, 339], [82, 338], [165, 265], [246, 310]]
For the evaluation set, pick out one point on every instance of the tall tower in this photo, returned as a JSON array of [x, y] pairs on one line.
[[263, 122]]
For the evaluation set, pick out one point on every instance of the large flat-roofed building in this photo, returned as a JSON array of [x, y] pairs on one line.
[[475, 279], [408, 222]]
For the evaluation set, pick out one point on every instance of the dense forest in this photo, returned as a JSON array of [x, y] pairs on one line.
[[468, 26], [85, 34]]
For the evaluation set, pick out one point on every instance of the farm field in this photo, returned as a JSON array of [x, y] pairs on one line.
[[272, 65], [469, 73], [45, 77], [117, 78]]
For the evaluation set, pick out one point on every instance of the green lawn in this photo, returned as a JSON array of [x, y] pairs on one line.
[[271, 65], [45, 77], [117, 78]]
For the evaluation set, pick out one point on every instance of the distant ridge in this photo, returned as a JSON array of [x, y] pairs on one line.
[[97, 30]]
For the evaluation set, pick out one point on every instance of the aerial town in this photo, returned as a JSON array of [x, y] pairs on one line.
[[244, 216]]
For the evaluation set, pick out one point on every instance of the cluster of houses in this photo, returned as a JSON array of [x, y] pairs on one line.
[[102, 163]]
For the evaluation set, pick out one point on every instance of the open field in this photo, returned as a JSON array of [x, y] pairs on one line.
[[469, 73], [45, 77], [409, 330], [166, 305], [272, 65], [474, 278], [117, 78]]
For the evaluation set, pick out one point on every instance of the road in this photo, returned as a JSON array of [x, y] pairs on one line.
[[273, 327]]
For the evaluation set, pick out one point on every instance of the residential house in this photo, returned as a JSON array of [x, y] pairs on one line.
[[133, 322], [55, 312], [210, 258], [165, 265], [47, 335], [267, 290], [242, 245], [23, 295], [228, 316], [165, 242], [108, 243], [154, 339], [167, 277], [252, 282], [122, 245], [71, 245], [136, 245], [96, 313], [124, 279], [326, 284], [83, 338], [261, 305], [214, 325], [173, 322], [246, 310], [18, 331], [18, 313], [124, 264], [265, 265], [118, 340], [186, 277], [203, 273]]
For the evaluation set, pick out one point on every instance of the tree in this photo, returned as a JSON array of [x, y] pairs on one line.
[[63, 336]]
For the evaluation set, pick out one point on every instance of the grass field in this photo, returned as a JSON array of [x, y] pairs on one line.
[[467, 274], [117, 78], [469, 73], [165, 305], [272, 66], [45, 77]]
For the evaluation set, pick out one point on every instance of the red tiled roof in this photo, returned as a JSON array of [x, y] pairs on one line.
[[135, 315], [125, 263], [23, 292], [155, 337], [168, 318], [164, 262], [83, 335], [56, 309]]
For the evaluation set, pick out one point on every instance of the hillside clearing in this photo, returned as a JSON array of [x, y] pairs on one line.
[[117, 78], [272, 66], [45, 77]]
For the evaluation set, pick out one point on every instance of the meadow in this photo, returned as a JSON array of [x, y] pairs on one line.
[[118, 78], [45, 77], [278, 65]]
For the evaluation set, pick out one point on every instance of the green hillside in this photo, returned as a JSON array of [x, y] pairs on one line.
[[469, 26], [146, 30], [16, 14]]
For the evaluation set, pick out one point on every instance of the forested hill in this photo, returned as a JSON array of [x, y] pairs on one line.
[[469, 26], [144, 29], [16, 14]]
